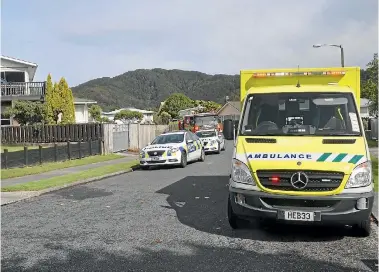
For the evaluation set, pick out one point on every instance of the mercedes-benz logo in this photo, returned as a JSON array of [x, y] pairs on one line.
[[299, 180], [155, 153]]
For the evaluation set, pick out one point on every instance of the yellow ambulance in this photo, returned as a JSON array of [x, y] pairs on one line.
[[300, 153]]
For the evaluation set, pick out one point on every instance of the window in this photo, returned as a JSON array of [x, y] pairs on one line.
[[206, 134], [291, 114], [168, 139]]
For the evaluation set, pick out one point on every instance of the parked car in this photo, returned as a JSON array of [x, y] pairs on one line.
[[172, 148]]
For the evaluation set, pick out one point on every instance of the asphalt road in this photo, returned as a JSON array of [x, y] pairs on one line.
[[165, 220]]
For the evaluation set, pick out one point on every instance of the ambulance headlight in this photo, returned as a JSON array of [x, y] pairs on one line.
[[361, 176], [241, 173]]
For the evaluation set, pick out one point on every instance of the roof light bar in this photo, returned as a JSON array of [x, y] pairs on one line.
[[314, 73]]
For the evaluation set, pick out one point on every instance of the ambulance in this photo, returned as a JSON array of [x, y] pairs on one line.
[[300, 153]]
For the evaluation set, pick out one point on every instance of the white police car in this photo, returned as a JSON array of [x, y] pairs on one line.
[[172, 148], [212, 140]]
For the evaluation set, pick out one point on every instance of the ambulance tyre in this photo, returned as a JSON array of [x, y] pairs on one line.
[[362, 229], [183, 159], [234, 221]]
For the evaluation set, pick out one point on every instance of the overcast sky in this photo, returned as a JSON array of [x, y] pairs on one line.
[[86, 39]]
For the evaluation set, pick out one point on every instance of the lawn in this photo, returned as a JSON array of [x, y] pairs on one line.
[[375, 171], [372, 143], [70, 178], [15, 148], [38, 169]]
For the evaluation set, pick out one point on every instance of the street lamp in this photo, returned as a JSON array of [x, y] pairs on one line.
[[334, 45]]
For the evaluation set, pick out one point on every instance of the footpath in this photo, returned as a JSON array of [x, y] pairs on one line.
[[9, 197]]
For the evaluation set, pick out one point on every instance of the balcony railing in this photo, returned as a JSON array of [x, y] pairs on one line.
[[24, 90]]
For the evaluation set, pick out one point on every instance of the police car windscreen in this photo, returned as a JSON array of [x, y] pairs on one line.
[[169, 139], [324, 114], [206, 134]]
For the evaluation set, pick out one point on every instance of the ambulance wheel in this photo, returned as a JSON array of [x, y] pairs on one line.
[[202, 156], [144, 167], [234, 221], [183, 160], [362, 229]]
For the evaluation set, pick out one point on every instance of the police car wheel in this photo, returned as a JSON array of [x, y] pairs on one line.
[[223, 147], [362, 229], [183, 160], [234, 221], [219, 148], [202, 156]]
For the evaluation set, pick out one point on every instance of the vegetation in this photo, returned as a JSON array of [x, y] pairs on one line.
[[370, 85], [145, 88], [70, 178], [127, 116], [374, 161], [59, 103], [95, 112], [175, 103], [38, 169], [15, 148], [26, 112]]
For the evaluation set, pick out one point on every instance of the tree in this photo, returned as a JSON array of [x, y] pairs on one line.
[[175, 103], [95, 112], [370, 87], [49, 102], [67, 102], [127, 116], [162, 119], [209, 106], [27, 113]]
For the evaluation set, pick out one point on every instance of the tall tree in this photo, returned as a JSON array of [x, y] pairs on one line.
[[67, 102], [49, 101], [370, 87]]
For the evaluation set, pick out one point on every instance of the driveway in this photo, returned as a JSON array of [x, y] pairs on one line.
[[165, 220]]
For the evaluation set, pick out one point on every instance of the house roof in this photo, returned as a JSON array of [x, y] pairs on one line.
[[234, 104], [31, 66], [130, 109], [83, 101]]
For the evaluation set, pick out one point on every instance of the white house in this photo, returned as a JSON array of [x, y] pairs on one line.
[[81, 110], [17, 84], [147, 115], [364, 108]]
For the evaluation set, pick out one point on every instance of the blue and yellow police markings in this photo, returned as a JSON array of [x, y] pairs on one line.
[[318, 157]]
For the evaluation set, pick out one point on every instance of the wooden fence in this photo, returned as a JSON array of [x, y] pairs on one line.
[[51, 133], [55, 153]]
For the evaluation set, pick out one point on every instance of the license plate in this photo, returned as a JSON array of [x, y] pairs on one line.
[[298, 216], [155, 158]]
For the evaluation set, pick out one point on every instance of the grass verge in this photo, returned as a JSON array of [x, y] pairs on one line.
[[372, 143], [70, 178], [375, 172], [38, 169]]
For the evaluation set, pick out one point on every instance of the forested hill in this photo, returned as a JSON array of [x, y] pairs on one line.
[[147, 88]]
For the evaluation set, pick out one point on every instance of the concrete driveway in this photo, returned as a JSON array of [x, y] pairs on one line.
[[165, 220]]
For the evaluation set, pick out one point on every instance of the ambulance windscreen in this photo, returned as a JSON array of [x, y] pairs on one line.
[[300, 114]]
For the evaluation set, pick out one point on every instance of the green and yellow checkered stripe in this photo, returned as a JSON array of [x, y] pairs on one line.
[[340, 157]]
